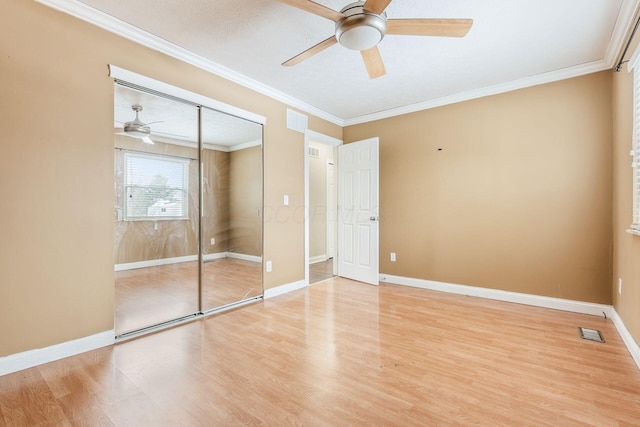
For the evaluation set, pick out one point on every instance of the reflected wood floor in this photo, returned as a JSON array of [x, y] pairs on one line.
[[147, 296], [344, 353], [320, 271]]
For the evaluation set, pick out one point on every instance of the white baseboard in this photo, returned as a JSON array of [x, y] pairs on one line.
[[252, 258], [19, 361], [154, 262], [527, 299], [283, 289], [28, 359], [516, 297], [631, 344], [317, 259], [217, 255], [175, 260]]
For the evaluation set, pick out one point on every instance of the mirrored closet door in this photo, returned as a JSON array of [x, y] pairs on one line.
[[231, 209], [188, 201]]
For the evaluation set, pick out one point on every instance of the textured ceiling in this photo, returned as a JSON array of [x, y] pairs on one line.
[[522, 41], [172, 120]]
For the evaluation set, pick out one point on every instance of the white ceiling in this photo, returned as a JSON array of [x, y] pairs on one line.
[[512, 44], [177, 122]]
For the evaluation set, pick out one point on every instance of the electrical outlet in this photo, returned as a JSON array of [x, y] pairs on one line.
[[213, 240], [393, 256], [619, 285], [269, 267]]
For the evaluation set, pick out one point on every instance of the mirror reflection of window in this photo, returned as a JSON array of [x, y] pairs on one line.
[[156, 187], [165, 212]]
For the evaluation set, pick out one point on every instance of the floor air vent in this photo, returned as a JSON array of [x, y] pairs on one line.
[[591, 334]]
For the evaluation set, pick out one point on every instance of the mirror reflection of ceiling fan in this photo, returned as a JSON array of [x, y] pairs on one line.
[[363, 24], [136, 128]]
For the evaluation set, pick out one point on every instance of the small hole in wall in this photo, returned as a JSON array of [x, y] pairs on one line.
[[439, 149]]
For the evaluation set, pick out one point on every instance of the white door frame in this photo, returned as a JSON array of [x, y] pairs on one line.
[[310, 135], [331, 201]]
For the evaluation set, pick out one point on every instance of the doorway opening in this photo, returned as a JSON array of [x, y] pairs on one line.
[[320, 170]]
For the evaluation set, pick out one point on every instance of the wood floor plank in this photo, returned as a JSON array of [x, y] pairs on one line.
[[344, 353]]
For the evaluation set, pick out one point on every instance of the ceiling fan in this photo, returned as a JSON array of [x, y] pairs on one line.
[[137, 129], [363, 24]]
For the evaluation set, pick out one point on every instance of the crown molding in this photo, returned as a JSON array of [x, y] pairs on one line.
[[550, 77], [624, 22], [627, 12], [109, 23]]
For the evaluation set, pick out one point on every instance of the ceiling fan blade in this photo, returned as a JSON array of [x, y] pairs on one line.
[[373, 61], [376, 6], [310, 52], [315, 8], [429, 27], [147, 140]]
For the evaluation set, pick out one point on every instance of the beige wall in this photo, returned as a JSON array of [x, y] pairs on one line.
[[519, 198], [318, 200], [626, 247], [245, 201], [509, 192], [56, 253], [215, 218]]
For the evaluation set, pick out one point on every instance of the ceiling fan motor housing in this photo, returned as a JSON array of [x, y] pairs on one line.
[[360, 29], [137, 128]]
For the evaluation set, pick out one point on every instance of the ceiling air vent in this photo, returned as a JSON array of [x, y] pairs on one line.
[[314, 152]]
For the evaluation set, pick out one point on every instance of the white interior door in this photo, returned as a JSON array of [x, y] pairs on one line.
[[358, 222]]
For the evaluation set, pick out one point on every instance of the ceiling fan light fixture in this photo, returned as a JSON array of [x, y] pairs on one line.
[[136, 128], [137, 131], [360, 29]]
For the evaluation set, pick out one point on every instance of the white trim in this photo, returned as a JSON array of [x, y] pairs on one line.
[[176, 260], [550, 77], [154, 262], [118, 73], [317, 259], [628, 340], [628, 8], [28, 359], [496, 294], [109, 23], [527, 299], [244, 257], [620, 31], [229, 149], [321, 138], [283, 289], [216, 255], [100, 19], [244, 145], [19, 361]]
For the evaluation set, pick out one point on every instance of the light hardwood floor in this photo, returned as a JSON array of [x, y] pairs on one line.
[[344, 353], [151, 295]]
